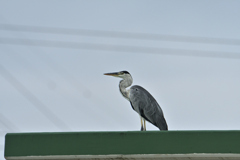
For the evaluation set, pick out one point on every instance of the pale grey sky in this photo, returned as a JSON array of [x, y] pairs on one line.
[[192, 68]]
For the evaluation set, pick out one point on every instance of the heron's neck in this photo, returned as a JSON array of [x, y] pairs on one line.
[[126, 82]]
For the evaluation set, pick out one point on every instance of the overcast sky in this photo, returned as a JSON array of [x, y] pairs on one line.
[[53, 55]]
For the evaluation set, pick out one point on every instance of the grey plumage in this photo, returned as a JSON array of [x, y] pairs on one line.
[[147, 107], [141, 100]]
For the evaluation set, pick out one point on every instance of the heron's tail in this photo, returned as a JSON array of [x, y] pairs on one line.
[[162, 124]]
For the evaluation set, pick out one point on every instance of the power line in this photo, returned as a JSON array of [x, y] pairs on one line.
[[80, 87], [77, 85], [119, 48], [7, 124], [72, 80], [119, 34], [33, 99]]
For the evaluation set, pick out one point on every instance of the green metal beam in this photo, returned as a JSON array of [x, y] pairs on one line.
[[124, 143]]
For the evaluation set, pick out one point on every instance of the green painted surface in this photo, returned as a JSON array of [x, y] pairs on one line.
[[105, 143]]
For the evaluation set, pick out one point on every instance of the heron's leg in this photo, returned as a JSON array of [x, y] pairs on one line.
[[144, 124], [141, 123]]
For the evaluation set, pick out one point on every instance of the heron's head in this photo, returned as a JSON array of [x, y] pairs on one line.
[[121, 74]]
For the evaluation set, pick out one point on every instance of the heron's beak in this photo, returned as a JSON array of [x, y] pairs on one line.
[[115, 74]]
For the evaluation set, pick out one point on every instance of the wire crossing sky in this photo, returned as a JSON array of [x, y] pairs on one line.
[[53, 55], [118, 34], [33, 99], [119, 48]]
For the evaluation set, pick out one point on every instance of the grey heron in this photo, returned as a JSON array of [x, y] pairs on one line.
[[141, 101]]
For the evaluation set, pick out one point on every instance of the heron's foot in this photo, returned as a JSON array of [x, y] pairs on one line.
[[143, 129]]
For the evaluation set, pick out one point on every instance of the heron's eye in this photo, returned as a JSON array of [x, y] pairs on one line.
[[136, 89]]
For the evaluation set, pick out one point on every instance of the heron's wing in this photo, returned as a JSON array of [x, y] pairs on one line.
[[157, 115], [144, 103]]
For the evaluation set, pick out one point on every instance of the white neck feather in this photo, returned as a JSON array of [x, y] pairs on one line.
[[126, 82]]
